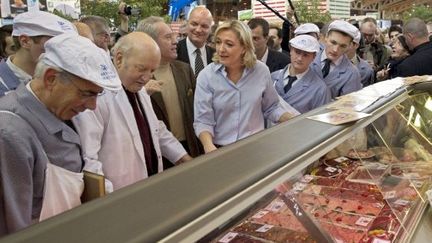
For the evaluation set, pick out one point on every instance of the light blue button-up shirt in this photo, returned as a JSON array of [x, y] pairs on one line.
[[232, 111]]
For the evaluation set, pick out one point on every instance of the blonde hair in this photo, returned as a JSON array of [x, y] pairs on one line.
[[244, 35]]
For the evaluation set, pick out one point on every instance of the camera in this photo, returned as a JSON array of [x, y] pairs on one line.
[[128, 10]]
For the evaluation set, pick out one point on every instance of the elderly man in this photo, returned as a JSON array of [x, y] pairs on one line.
[[30, 31], [122, 138], [193, 48], [297, 84], [340, 75], [375, 53], [40, 155], [367, 74], [174, 104], [260, 33], [100, 30], [420, 61]]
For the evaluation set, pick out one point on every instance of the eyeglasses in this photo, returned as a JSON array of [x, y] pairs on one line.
[[104, 34], [85, 94]]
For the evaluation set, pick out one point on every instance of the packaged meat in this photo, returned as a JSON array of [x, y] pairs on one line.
[[344, 234], [342, 218], [233, 237], [371, 173], [359, 154], [272, 233]]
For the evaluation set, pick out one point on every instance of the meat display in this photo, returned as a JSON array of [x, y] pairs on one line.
[[351, 200]]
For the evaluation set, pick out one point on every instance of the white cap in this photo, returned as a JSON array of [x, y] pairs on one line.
[[357, 37], [40, 23], [81, 57], [305, 43], [307, 28], [343, 26]]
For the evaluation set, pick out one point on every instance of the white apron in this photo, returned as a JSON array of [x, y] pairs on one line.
[[62, 191]]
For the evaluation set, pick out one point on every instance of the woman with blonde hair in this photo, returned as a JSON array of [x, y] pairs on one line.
[[234, 94]]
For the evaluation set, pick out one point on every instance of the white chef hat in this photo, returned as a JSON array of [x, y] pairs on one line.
[[38, 23], [357, 37], [307, 28], [344, 27], [305, 43], [81, 57]]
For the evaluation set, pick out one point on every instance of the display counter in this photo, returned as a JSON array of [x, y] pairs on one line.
[[336, 183]]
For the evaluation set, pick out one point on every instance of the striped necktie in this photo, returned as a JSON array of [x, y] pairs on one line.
[[199, 65]]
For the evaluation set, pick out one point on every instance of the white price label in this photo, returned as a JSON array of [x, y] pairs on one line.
[[264, 228], [341, 159], [417, 184], [411, 175], [331, 169], [389, 194], [228, 237], [275, 206], [402, 202], [298, 186], [363, 221], [378, 240], [307, 178], [260, 214]]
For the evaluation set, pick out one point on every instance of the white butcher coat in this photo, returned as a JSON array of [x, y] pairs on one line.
[[111, 141]]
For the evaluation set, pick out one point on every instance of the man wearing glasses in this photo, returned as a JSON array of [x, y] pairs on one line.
[[40, 153], [100, 30], [30, 31]]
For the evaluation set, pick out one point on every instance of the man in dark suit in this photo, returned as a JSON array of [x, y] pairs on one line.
[[260, 33], [174, 103], [193, 48], [420, 61]]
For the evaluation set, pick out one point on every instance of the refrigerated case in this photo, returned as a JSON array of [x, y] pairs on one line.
[[379, 171]]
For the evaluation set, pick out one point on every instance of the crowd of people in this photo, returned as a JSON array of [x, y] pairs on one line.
[[71, 100]]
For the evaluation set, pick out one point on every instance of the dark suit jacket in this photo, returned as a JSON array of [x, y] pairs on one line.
[[182, 52], [276, 60], [185, 82], [419, 63]]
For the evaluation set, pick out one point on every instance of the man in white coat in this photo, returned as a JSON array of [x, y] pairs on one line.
[[122, 138]]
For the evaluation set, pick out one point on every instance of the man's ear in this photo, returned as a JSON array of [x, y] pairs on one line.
[[24, 41], [49, 78], [118, 59]]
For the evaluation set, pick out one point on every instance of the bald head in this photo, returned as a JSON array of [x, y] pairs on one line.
[[84, 30], [415, 32], [199, 26], [136, 56], [369, 30]]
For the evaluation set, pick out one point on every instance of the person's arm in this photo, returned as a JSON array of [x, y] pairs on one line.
[[123, 28], [19, 152], [204, 117], [90, 127], [207, 141], [170, 147]]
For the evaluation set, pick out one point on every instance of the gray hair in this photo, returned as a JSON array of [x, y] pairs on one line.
[[416, 27], [147, 26], [96, 23], [42, 67]]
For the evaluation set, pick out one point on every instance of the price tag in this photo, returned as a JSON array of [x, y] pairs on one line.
[[298, 186], [389, 194], [228, 237], [378, 240], [401, 202], [331, 169], [307, 178], [411, 175], [341, 159], [417, 184], [260, 214], [363, 221], [264, 228], [275, 206]]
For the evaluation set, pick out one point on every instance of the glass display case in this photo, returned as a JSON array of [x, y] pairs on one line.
[[301, 181]]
